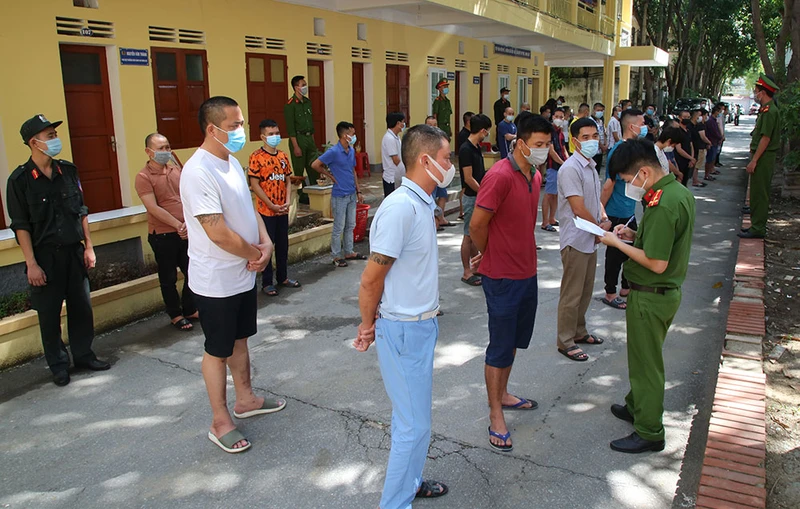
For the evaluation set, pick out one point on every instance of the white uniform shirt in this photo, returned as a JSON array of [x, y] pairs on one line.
[[404, 229], [210, 185], [390, 146], [614, 127]]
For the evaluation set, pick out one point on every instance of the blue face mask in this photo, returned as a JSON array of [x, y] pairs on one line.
[[642, 131], [352, 139], [510, 118], [53, 147], [650, 111], [589, 148], [236, 139], [273, 140], [598, 114], [445, 90]]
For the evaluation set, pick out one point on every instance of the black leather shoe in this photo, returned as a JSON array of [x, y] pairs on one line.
[[93, 365], [745, 230], [634, 444], [745, 210], [621, 412], [749, 235], [61, 378]]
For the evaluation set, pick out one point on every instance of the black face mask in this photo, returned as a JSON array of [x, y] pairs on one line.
[[686, 122]]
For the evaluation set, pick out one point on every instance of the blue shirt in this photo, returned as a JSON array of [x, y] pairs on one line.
[[342, 165], [618, 204], [404, 229], [504, 128]]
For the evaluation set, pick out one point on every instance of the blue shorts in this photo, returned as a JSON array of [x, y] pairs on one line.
[[711, 154], [512, 313], [551, 186], [468, 205], [439, 192]]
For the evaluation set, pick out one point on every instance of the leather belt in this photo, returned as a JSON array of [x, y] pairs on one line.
[[419, 318], [305, 133], [650, 289]]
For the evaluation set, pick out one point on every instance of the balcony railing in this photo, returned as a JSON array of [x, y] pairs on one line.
[[579, 13]]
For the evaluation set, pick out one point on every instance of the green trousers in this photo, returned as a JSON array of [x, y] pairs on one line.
[[648, 317], [760, 186], [309, 155]]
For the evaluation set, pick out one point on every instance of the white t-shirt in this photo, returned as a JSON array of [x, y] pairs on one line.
[[662, 158], [210, 185], [614, 127], [390, 146]]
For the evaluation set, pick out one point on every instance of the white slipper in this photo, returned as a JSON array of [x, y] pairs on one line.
[[270, 405], [228, 440]]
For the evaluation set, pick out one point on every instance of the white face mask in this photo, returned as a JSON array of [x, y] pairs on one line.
[[304, 90], [633, 192], [558, 122], [667, 150], [448, 174], [536, 156]]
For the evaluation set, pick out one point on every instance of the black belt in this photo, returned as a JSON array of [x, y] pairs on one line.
[[662, 290], [305, 133]]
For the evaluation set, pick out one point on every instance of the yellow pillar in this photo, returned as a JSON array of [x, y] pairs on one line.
[[544, 86], [608, 84], [624, 82], [573, 12]]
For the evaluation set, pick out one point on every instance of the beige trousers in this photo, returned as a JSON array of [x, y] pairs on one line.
[[577, 284]]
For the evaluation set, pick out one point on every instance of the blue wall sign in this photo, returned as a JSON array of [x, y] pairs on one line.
[[502, 49], [476, 80], [451, 75], [131, 56]]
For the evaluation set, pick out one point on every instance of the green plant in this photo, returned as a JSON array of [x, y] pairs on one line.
[[788, 100], [14, 303]]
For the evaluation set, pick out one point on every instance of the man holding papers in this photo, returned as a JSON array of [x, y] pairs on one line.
[[659, 258], [578, 196]]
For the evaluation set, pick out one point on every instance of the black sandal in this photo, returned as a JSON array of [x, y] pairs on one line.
[[578, 357], [340, 262], [355, 256], [432, 489], [290, 283], [591, 339], [181, 325]]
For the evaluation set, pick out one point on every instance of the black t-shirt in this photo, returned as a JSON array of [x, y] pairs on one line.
[[463, 134], [686, 145], [470, 155], [696, 140]]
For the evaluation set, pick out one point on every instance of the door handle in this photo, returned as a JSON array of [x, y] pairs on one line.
[[113, 144]]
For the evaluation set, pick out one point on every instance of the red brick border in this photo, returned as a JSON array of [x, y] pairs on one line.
[[733, 474]]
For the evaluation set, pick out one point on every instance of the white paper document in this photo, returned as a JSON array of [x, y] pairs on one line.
[[583, 224]]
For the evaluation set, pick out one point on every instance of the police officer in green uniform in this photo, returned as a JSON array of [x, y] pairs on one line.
[[300, 128], [442, 109], [763, 149], [49, 219], [659, 257]]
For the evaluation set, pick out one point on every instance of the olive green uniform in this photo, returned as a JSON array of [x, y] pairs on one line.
[[767, 124], [665, 233], [300, 125], [52, 211], [442, 110]]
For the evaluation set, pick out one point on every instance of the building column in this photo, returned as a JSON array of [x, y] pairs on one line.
[[544, 88], [625, 82], [609, 76]]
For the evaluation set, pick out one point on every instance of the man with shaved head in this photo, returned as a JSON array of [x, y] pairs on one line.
[[159, 187]]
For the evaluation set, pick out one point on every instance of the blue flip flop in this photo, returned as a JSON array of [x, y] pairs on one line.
[[504, 438], [520, 403]]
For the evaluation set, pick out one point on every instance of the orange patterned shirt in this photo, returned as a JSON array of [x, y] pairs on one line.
[[272, 172]]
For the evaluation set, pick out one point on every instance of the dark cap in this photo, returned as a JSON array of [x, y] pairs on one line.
[[34, 126], [504, 89]]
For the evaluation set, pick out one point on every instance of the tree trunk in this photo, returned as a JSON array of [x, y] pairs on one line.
[[794, 65], [783, 38], [758, 33]]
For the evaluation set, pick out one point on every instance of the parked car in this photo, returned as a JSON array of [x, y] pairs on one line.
[[754, 108]]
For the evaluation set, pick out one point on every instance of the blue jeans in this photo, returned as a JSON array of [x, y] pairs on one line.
[[405, 356], [344, 221]]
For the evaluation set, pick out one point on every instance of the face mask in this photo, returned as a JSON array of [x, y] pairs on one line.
[[352, 139], [53, 147], [559, 103], [686, 121], [598, 114], [236, 139], [404, 127], [667, 150], [642, 131], [304, 90], [558, 122], [650, 111], [537, 156], [162, 156], [589, 148], [628, 107], [618, 114], [633, 192], [510, 118], [506, 96], [273, 140], [448, 175], [445, 90]]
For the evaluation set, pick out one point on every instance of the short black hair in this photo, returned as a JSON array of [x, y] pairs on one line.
[[583, 107], [297, 79], [575, 128], [467, 116], [212, 111], [421, 139], [478, 122], [629, 113], [625, 101], [560, 109], [431, 117], [632, 155], [393, 118], [528, 123], [343, 126], [149, 138], [673, 134], [267, 122], [599, 105], [543, 109], [684, 111], [651, 104]]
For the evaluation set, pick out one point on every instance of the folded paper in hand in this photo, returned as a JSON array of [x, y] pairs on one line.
[[583, 224]]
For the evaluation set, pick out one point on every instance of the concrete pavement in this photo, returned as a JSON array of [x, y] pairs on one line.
[[135, 436]]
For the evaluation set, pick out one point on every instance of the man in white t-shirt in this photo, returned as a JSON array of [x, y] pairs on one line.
[[614, 129], [393, 169], [228, 245]]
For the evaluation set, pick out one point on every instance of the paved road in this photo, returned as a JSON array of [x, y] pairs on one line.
[[134, 436]]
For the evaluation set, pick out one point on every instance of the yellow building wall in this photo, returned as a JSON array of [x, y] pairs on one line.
[[29, 55]]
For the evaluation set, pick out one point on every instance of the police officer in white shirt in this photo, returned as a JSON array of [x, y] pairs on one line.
[[393, 169]]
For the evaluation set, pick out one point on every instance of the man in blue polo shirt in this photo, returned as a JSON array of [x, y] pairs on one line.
[[340, 161], [506, 132], [402, 277]]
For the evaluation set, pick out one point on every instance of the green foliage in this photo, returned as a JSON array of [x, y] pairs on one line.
[[14, 303], [558, 78], [789, 101]]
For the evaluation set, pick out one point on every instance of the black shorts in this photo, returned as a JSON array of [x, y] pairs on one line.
[[226, 319]]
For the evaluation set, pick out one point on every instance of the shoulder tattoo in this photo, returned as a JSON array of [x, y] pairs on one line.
[[209, 219], [381, 259]]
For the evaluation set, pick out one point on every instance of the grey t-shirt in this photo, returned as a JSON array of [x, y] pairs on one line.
[[578, 177]]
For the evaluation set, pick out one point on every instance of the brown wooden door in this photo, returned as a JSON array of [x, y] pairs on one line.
[[358, 104], [266, 91], [397, 90], [316, 92], [91, 125], [480, 95], [458, 103]]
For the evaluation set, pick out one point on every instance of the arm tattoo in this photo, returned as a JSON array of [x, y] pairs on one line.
[[381, 259], [209, 219]]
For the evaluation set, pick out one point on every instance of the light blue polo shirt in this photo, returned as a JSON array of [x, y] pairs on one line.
[[618, 204], [404, 229], [341, 164]]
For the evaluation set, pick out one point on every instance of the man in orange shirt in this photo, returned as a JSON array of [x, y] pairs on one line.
[[159, 187], [269, 172]]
